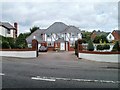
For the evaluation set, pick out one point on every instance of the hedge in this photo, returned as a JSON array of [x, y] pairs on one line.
[[103, 47]]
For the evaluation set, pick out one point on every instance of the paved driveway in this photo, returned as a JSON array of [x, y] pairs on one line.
[[58, 70]]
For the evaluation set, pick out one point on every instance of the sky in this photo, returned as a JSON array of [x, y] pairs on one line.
[[87, 15]]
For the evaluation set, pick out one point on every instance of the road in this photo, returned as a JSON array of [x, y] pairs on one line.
[[57, 70]]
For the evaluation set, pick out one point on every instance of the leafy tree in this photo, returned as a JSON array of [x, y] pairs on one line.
[[33, 29], [97, 39], [26, 34], [116, 47], [100, 39], [21, 41], [86, 36], [103, 38], [90, 46]]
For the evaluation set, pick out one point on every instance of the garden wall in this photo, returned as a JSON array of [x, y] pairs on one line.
[[100, 56], [22, 53]]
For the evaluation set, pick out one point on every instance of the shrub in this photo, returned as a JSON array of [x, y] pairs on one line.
[[90, 46], [11, 42], [103, 47], [5, 45], [100, 47], [116, 46], [106, 46]]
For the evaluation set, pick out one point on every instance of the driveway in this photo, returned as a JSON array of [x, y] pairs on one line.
[[57, 70]]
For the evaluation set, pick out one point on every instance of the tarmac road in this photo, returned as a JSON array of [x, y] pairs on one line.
[[57, 70]]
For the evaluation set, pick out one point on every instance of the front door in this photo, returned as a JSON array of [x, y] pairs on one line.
[[62, 46]]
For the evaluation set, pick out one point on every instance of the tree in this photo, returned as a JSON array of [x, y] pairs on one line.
[[21, 41], [90, 46], [97, 39], [26, 34], [86, 36], [33, 29], [116, 47], [103, 38]]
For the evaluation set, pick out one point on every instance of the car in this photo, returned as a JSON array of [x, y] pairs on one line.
[[43, 49]]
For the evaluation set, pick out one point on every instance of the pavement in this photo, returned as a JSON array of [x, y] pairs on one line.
[[57, 70]]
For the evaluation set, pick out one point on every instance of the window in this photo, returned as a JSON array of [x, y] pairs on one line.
[[72, 34], [8, 31], [110, 37], [50, 44], [48, 35]]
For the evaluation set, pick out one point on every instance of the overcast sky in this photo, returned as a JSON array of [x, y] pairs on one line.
[[85, 15]]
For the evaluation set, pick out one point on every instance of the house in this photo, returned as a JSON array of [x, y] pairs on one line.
[[114, 36], [8, 30], [58, 35], [97, 33]]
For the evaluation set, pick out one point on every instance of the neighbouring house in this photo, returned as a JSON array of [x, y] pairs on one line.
[[114, 36], [97, 33], [58, 35], [8, 30]]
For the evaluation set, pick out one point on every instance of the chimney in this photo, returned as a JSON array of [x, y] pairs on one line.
[[16, 27]]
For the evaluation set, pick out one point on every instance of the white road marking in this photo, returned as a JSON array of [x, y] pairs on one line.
[[43, 78], [2, 74], [69, 79]]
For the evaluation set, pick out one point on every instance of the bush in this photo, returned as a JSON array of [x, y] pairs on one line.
[[90, 46], [5, 45], [100, 47], [116, 47], [103, 47], [106, 47], [11, 42]]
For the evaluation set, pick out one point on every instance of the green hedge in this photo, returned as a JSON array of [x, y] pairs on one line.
[[103, 47], [8, 42], [5, 45]]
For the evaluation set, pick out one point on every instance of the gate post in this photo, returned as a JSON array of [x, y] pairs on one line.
[[79, 47], [35, 46]]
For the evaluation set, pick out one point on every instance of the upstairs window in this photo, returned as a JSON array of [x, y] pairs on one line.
[[72, 34], [48, 35]]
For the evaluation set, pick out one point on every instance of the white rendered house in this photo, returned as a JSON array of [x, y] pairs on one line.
[[57, 35], [7, 30]]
